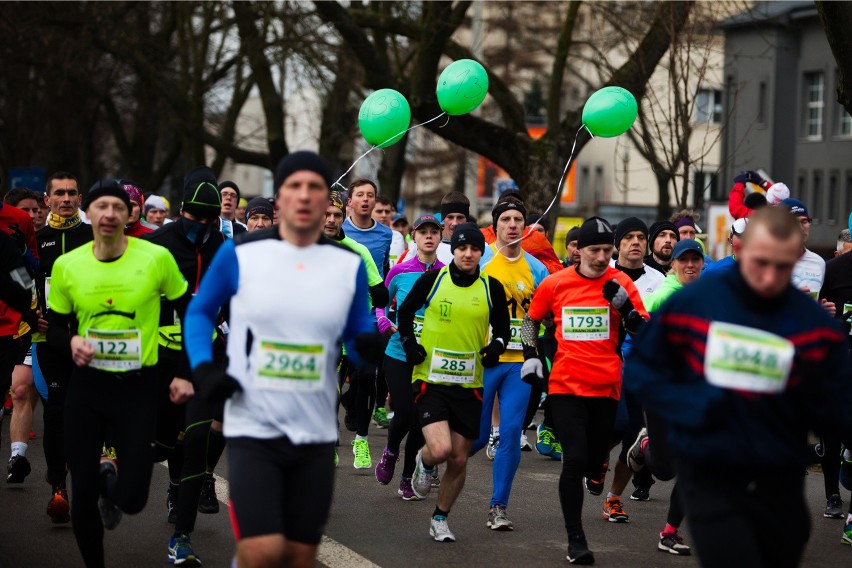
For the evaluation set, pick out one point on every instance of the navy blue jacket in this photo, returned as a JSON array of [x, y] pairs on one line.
[[722, 428]]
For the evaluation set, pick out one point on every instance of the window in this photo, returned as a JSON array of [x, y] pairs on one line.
[[844, 128], [802, 186], [833, 203], [708, 106], [761, 103], [816, 196], [814, 105], [706, 187]]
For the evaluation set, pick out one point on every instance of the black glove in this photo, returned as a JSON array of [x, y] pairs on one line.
[[749, 177], [414, 352], [215, 384], [615, 294], [491, 353], [370, 346]]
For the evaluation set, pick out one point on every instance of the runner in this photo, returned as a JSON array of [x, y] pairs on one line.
[[460, 303], [155, 210], [112, 288], [724, 356], [809, 272], [589, 304], [383, 213], [136, 226], [661, 239], [370, 388], [520, 274], [189, 429], [631, 242], [572, 254], [228, 223], [64, 232], [400, 279], [259, 214], [280, 420], [687, 264], [735, 239]]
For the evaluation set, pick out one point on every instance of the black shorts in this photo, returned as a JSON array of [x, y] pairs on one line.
[[461, 407], [23, 345], [280, 488]]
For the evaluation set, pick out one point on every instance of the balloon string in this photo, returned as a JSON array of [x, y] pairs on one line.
[[558, 190], [398, 135]]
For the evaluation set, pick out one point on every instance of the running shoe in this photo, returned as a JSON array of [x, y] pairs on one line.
[[181, 553], [595, 486], [636, 453], [613, 511], [336, 457], [171, 502], [434, 479], [834, 507], [846, 536], [19, 468], [421, 482], [440, 530], [497, 519], [361, 450], [673, 544], [58, 509], [578, 550], [493, 444], [525, 444], [641, 494], [380, 418], [544, 441], [556, 453], [386, 466], [208, 503], [406, 491]]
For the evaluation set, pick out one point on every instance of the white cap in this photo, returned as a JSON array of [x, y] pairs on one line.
[[777, 193], [155, 202]]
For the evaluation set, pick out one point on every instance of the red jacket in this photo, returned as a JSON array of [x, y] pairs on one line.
[[18, 225]]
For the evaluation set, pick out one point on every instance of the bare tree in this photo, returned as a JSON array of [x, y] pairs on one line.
[[837, 20]]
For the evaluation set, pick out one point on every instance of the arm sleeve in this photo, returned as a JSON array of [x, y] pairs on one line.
[[217, 286], [499, 318], [359, 319], [58, 331], [736, 202], [381, 315], [830, 402], [379, 295], [414, 301]]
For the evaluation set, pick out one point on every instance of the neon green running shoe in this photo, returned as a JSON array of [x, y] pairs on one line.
[[361, 449]]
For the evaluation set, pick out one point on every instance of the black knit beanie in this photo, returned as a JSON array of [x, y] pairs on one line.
[[111, 187], [628, 225], [504, 206], [201, 197], [302, 160], [232, 185], [467, 234], [657, 228], [595, 231]]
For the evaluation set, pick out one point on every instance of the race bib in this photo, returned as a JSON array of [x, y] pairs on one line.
[[585, 324], [418, 326], [452, 367], [744, 358], [515, 341], [289, 366], [119, 350], [846, 309]]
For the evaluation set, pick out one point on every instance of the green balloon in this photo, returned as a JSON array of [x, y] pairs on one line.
[[384, 117], [610, 111], [462, 87]]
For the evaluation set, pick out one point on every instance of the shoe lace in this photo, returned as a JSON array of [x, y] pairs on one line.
[[362, 451], [615, 507], [557, 447], [546, 437]]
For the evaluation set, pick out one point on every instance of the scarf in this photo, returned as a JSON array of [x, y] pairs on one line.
[[59, 222]]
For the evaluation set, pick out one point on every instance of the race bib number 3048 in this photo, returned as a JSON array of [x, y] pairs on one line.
[[115, 350], [585, 324], [748, 359], [289, 366]]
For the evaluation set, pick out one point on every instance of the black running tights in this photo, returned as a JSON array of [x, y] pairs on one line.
[[405, 422], [125, 404]]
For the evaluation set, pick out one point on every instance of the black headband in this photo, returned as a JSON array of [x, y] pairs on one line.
[[447, 208]]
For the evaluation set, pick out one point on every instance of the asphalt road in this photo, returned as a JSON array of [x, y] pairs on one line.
[[371, 526]]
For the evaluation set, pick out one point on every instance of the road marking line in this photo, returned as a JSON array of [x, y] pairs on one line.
[[331, 553]]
